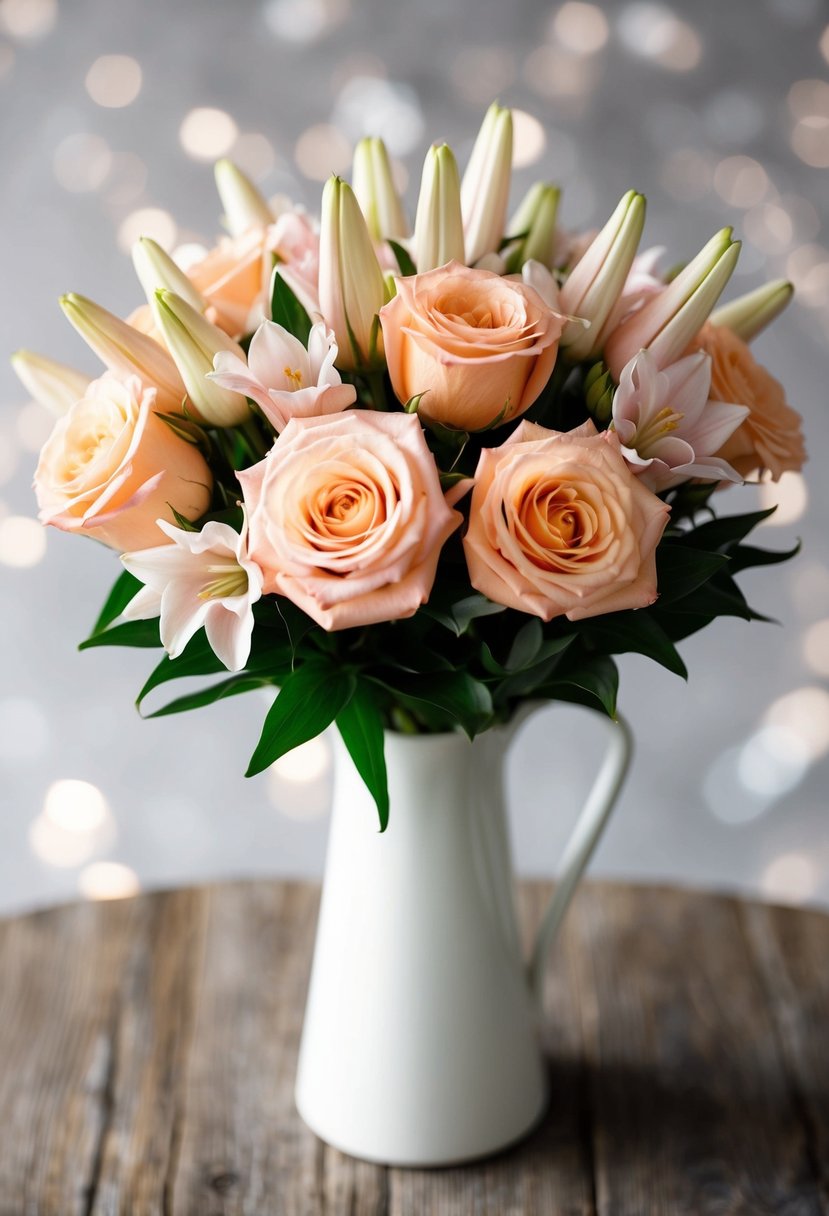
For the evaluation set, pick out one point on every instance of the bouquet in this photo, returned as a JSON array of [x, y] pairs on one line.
[[414, 480]]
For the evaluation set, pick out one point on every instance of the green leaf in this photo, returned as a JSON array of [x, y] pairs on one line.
[[636, 632], [470, 608], [125, 588], [360, 723], [208, 696], [525, 646], [404, 261], [182, 521], [130, 633], [719, 597], [197, 659], [594, 683], [445, 698], [681, 569], [717, 533], [548, 648], [286, 309], [311, 698], [745, 557]]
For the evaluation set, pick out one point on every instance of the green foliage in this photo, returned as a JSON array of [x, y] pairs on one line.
[[286, 309]]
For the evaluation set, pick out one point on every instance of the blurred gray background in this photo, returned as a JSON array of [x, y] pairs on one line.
[[111, 115]]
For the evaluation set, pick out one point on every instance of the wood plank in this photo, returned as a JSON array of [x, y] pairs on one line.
[[791, 947], [692, 1106], [60, 972]]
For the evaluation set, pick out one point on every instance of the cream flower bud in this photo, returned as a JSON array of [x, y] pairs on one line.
[[486, 182], [438, 223], [51, 384], [193, 342], [244, 206], [125, 350], [749, 314], [375, 191], [666, 324], [351, 286], [594, 285], [157, 271], [534, 227]]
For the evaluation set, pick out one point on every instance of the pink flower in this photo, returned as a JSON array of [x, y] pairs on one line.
[[347, 517], [202, 579], [668, 428], [283, 378], [559, 526], [111, 467]]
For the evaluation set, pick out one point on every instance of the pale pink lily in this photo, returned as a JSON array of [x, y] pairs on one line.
[[642, 282], [202, 579], [668, 427], [295, 240], [283, 378]]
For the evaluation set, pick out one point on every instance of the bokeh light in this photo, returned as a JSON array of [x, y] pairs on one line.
[[529, 140], [816, 647], [305, 764], [82, 163], [580, 28], [789, 495], [22, 542], [153, 222], [75, 824], [321, 151], [207, 133], [105, 880], [791, 878], [654, 32], [114, 81], [28, 20]]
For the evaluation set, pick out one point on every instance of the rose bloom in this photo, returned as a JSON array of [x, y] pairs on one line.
[[771, 436], [235, 276], [347, 517], [481, 347], [560, 526], [112, 467]]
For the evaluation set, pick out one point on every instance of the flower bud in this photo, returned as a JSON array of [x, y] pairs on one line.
[[485, 186], [534, 227], [193, 342], [438, 223], [157, 271], [375, 191], [51, 384], [351, 286], [595, 283], [244, 205], [125, 350], [666, 324], [749, 314]]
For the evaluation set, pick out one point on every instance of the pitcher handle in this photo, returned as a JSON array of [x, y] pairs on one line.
[[579, 849]]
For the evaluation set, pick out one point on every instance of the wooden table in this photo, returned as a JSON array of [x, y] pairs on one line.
[[147, 1053]]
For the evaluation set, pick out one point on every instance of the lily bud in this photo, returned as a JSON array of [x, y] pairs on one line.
[[51, 384], [749, 314], [193, 342], [351, 286], [245, 207], [598, 391], [666, 324], [157, 271], [486, 182], [534, 227], [438, 224], [125, 350], [596, 281], [375, 191]]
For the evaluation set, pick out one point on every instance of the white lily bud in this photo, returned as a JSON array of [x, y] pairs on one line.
[[157, 271], [749, 314], [351, 286], [438, 223], [125, 350], [534, 227], [245, 207], [592, 288], [51, 384], [193, 342], [666, 324], [375, 191], [486, 182]]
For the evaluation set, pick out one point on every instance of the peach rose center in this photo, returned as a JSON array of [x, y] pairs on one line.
[[555, 525]]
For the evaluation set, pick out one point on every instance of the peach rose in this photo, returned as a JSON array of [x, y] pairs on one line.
[[560, 526], [479, 346], [347, 517], [111, 468], [235, 276], [771, 436]]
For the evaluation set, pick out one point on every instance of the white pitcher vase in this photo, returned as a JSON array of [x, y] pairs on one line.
[[420, 1045]]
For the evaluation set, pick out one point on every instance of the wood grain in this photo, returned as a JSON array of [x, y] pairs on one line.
[[148, 1048]]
